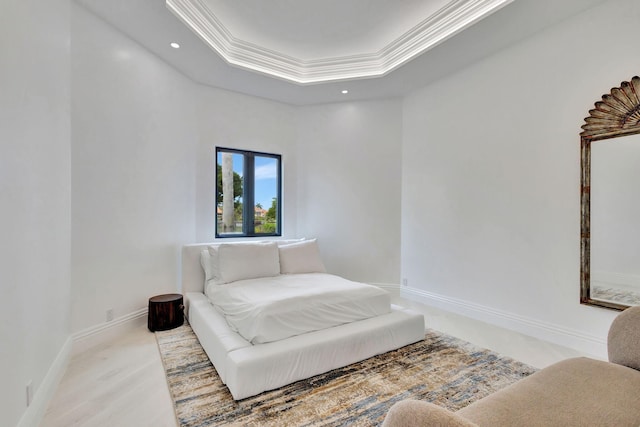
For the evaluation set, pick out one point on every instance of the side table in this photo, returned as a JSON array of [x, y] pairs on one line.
[[165, 312]]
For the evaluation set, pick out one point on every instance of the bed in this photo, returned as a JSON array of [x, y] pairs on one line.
[[252, 361]]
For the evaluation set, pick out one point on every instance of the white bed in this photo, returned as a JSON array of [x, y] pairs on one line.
[[249, 369]]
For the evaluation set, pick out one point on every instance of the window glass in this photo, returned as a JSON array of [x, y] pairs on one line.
[[248, 193], [266, 194]]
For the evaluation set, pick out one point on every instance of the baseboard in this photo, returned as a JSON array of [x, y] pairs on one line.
[[47, 388], [94, 335], [389, 287], [580, 341], [77, 342]]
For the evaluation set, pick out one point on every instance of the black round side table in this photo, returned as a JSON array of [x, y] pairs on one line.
[[165, 312]]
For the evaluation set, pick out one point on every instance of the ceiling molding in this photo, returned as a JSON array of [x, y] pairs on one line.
[[446, 22]]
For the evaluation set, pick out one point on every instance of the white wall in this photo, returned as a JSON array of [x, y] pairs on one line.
[[34, 201], [338, 159], [490, 177], [133, 161], [348, 191], [232, 120]]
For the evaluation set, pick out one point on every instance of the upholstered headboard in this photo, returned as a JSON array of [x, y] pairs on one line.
[[192, 273]]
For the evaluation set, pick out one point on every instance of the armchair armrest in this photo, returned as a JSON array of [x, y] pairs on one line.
[[623, 341], [412, 413]]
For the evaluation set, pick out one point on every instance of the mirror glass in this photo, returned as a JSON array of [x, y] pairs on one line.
[[615, 220]]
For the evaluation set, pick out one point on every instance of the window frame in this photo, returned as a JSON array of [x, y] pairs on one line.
[[248, 193]]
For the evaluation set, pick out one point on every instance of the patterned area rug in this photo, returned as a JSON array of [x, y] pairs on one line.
[[440, 369]]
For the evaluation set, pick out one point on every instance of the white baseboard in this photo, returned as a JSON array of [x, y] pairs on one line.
[[389, 287], [89, 337], [577, 340], [47, 388], [77, 342]]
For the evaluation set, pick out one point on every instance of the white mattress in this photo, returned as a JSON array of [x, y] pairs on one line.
[[274, 308], [249, 369]]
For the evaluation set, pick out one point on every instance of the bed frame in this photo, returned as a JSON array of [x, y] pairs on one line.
[[249, 369]]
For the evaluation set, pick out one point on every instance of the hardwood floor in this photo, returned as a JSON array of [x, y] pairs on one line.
[[120, 382]]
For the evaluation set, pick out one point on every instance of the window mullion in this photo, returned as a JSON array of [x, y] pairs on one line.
[[248, 197]]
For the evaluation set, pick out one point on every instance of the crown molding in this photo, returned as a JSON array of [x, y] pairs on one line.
[[446, 22]]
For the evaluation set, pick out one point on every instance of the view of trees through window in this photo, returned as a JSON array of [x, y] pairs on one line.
[[247, 179]]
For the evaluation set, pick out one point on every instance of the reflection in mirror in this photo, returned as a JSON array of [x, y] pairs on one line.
[[615, 220], [609, 200]]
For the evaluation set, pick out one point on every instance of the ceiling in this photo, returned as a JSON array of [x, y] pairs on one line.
[[308, 41], [306, 52]]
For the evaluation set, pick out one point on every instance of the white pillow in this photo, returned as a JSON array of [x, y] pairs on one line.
[[206, 262], [247, 261], [209, 259], [302, 257], [212, 271], [288, 241]]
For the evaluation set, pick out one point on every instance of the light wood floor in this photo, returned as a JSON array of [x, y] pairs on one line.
[[120, 381], [117, 383]]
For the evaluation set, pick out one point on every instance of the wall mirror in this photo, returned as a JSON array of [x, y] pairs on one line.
[[610, 200]]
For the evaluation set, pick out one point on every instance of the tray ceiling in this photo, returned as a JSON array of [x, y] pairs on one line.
[[305, 41], [153, 26]]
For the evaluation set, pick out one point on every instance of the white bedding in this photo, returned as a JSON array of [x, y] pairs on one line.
[[249, 369], [274, 308]]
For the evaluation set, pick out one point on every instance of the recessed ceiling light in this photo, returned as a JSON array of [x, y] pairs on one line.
[[174, 45], [345, 91]]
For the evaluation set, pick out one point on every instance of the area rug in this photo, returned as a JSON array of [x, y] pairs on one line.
[[440, 369]]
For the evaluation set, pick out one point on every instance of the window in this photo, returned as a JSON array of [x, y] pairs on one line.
[[248, 193]]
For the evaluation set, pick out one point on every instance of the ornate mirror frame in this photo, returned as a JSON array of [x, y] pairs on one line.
[[616, 115]]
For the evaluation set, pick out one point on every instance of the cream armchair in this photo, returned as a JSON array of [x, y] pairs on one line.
[[574, 392]]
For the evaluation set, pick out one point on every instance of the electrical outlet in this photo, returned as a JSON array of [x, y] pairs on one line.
[[405, 282], [29, 392], [110, 315]]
